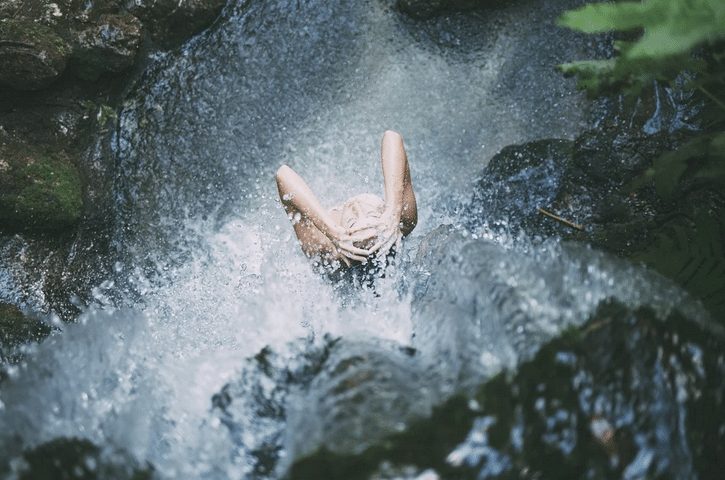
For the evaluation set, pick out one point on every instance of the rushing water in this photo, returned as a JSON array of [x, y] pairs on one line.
[[208, 273]]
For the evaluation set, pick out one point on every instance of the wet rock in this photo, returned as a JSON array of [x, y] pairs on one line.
[[39, 190], [627, 395], [518, 180], [169, 22], [338, 396], [592, 183], [109, 45], [17, 329], [254, 407], [75, 458], [32, 56], [364, 391]]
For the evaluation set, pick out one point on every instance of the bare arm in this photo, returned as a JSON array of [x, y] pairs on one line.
[[401, 211], [399, 196], [294, 192]]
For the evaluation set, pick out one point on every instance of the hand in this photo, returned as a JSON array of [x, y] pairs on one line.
[[344, 242], [388, 235]]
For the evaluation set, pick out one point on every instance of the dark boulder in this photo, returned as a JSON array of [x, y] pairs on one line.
[[17, 329], [39, 190], [518, 180], [75, 458], [627, 395], [109, 45], [32, 56], [338, 396], [599, 185]]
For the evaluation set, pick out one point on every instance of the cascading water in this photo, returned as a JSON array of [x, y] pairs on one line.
[[208, 273]]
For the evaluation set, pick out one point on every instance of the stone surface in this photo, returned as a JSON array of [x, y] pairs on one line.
[[169, 22], [341, 395], [32, 56], [109, 45], [39, 190], [76, 458], [598, 183], [627, 395], [17, 329], [422, 9]]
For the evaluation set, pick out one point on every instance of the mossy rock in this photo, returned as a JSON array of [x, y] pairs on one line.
[[32, 56], [38, 190]]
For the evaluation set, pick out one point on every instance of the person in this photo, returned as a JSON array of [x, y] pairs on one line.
[[362, 228]]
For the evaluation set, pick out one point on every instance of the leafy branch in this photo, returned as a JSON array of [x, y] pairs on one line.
[[669, 37]]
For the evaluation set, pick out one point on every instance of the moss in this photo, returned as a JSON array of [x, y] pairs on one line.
[[39, 190], [53, 196], [32, 56]]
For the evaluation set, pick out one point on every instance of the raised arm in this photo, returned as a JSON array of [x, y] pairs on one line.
[[399, 196], [297, 197], [401, 211]]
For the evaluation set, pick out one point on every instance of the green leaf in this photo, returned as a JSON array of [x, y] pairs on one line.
[[671, 29], [605, 17]]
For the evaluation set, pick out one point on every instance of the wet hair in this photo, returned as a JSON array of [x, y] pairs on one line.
[[364, 210]]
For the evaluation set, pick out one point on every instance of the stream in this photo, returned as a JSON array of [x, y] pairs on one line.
[[215, 350]]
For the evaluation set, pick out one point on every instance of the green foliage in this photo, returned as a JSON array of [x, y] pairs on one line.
[[674, 36], [664, 39], [37, 190], [671, 29], [690, 251]]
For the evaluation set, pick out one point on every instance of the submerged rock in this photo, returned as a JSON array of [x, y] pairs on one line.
[[17, 329], [626, 395], [254, 407], [32, 55], [75, 458], [109, 45], [39, 190], [364, 391], [340, 396]]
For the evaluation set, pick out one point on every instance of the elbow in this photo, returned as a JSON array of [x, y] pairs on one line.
[[281, 178], [392, 134], [281, 172]]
